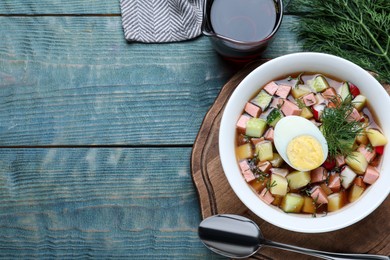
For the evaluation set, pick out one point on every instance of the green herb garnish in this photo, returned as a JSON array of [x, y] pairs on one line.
[[340, 131], [357, 30]]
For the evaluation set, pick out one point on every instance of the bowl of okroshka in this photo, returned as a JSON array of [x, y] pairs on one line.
[[303, 142]]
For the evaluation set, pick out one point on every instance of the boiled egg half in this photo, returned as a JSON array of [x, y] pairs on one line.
[[300, 143]]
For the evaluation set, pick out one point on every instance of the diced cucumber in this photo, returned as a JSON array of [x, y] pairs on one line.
[[255, 127], [357, 162], [359, 102], [264, 150], [344, 91], [278, 185], [274, 116], [263, 99], [319, 84], [298, 179], [292, 203]]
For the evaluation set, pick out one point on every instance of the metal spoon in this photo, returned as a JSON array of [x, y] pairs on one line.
[[238, 237]]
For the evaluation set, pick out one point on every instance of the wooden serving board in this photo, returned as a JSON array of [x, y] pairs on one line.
[[370, 235]]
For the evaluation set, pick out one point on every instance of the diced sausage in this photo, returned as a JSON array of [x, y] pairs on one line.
[[318, 195], [334, 182], [329, 93], [266, 196], [248, 175], [283, 91], [319, 174], [241, 123], [371, 175], [271, 88], [369, 153], [309, 99], [257, 140], [269, 135], [354, 116], [252, 109], [264, 166], [289, 108], [340, 160], [244, 165], [279, 171], [276, 102]]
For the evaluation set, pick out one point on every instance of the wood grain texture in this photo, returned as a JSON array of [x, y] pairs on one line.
[[98, 203], [75, 81], [369, 235]]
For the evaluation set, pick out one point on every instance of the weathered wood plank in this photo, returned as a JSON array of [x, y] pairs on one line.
[[75, 81], [106, 203], [30, 7]]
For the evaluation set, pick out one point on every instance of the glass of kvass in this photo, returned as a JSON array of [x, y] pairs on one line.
[[240, 30]]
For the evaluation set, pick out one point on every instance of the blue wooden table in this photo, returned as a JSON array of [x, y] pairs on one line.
[[96, 133]]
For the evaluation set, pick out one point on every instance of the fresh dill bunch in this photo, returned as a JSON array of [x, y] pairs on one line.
[[357, 30], [339, 130]]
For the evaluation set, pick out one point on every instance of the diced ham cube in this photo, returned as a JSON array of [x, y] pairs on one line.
[[309, 99], [340, 160], [283, 91], [241, 123], [318, 195], [252, 109], [371, 175], [334, 182], [271, 88], [319, 174], [244, 165], [289, 108], [269, 135], [248, 175], [266, 196], [369, 153], [257, 140], [329, 93], [279, 171], [354, 116], [264, 166]]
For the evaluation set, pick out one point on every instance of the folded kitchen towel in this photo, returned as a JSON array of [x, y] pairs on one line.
[[161, 20]]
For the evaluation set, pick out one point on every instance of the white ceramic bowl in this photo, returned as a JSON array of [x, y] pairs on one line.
[[280, 67]]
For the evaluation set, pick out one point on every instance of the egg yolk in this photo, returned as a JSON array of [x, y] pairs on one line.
[[305, 152]]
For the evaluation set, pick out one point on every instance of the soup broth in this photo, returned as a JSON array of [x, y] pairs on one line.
[[343, 116]]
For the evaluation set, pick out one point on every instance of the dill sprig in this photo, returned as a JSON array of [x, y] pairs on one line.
[[340, 131], [357, 30]]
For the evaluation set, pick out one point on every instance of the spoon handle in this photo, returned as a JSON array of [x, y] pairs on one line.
[[321, 254]]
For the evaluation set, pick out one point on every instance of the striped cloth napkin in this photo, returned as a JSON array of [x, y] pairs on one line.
[[161, 20]]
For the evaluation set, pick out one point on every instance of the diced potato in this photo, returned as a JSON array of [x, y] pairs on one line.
[[362, 138], [244, 151], [278, 185], [357, 162], [292, 203], [300, 91], [255, 127], [347, 177], [277, 160], [359, 102], [264, 150], [306, 113], [308, 205], [376, 138], [355, 192], [335, 201], [298, 179]]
